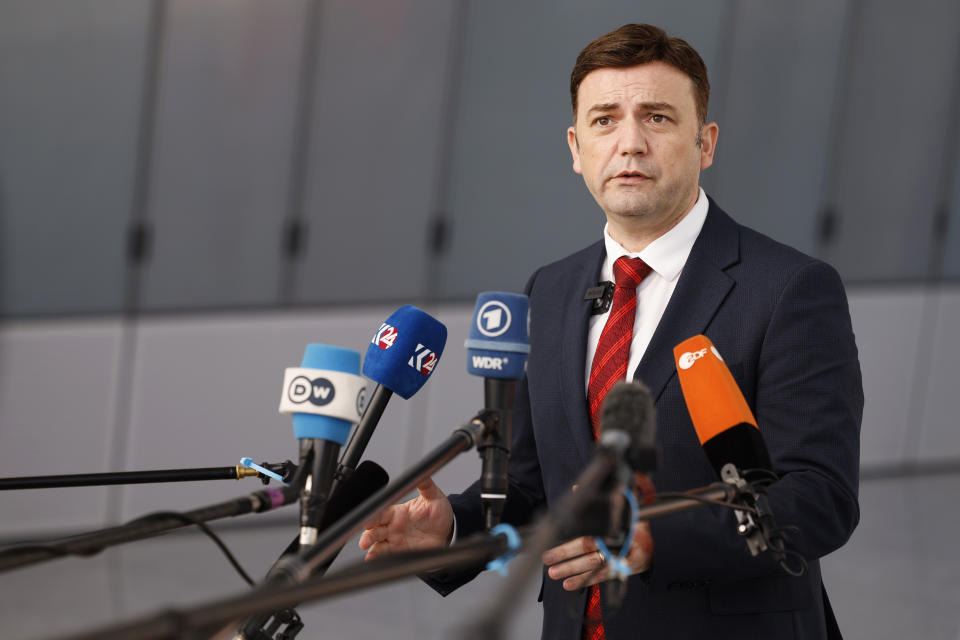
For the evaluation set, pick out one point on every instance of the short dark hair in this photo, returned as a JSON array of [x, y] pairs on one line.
[[634, 44]]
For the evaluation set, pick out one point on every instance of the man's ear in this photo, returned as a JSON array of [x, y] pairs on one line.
[[574, 148], [708, 144]]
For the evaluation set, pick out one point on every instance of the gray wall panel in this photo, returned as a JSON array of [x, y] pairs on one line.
[[889, 329], [60, 597], [939, 436], [70, 89], [374, 142], [57, 395], [776, 114], [516, 202], [892, 137], [951, 256], [224, 136]]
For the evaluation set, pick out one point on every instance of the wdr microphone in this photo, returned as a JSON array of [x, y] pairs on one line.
[[497, 349], [323, 395], [723, 421], [400, 358]]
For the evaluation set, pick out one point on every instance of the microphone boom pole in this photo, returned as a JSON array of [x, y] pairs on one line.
[[127, 477]]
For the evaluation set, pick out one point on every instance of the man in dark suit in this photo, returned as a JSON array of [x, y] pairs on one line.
[[682, 267]]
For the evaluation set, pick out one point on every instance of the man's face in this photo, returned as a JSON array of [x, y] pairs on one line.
[[634, 141]]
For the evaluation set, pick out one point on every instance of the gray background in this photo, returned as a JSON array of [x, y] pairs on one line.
[[301, 168]]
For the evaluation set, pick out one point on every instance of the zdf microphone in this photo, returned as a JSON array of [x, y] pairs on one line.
[[323, 395], [732, 441], [724, 423], [497, 350]]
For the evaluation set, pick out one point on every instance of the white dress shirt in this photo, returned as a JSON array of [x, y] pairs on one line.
[[666, 256]]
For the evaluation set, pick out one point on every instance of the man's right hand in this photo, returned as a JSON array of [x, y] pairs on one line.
[[426, 522]]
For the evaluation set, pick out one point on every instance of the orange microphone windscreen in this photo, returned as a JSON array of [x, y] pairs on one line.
[[713, 398]]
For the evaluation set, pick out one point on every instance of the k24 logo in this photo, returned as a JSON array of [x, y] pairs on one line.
[[385, 336], [423, 360]]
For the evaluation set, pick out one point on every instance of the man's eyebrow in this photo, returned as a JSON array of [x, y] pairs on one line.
[[646, 106], [658, 106], [607, 106]]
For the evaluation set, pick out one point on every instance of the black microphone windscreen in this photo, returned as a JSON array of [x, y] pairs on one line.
[[368, 478], [628, 407]]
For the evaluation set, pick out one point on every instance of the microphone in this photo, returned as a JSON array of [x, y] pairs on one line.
[[400, 358], [322, 396], [627, 435], [628, 409], [628, 427], [497, 350], [730, 437], [724, 423]]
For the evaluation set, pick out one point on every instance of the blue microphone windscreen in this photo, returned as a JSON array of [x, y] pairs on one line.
[[499, 336], [329, 358], [405, 350]]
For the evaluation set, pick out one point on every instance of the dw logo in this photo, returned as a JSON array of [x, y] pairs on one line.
[[493, 319], [319, 391], [423, 360], [385, 336]]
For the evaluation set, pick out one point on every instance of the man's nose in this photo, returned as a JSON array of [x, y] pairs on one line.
[[633, 140]]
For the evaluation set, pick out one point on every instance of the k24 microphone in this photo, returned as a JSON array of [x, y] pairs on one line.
[[497, 349], [405, 350], [323, 395], [401, 357], [724, 423]]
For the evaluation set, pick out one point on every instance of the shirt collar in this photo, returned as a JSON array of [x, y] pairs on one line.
[[667, 254]]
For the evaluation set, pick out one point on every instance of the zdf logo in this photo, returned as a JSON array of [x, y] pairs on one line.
[[686, 360], [385, 336], [318, 391], [423, 360], [493, 319]]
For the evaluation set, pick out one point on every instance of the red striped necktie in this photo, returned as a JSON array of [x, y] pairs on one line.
[[610, 366]]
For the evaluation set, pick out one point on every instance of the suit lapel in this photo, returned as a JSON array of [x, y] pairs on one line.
[[702, 287], [573, 347]]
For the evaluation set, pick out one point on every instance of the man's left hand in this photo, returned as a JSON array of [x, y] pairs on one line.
[[580, 564]]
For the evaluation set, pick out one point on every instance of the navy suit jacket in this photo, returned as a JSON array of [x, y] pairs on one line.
[[781, 321]]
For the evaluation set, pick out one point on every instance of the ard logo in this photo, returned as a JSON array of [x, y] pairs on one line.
[[423, 360], [493, 318], [385, 336]]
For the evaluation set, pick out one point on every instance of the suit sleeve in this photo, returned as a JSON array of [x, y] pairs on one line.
[[808, 401]]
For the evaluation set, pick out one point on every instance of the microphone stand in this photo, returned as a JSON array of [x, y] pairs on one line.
[[141, 477], [179, 623], [479, 548], [148, 527], [361, 435]]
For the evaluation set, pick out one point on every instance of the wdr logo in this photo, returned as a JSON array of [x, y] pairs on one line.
[[319, 391], [489, 363], [423, 360], [385, 336], [493, 319]]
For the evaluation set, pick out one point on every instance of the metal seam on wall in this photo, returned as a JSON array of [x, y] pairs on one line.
[[294, 225]]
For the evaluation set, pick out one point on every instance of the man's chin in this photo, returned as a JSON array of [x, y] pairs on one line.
[[630, 209]]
